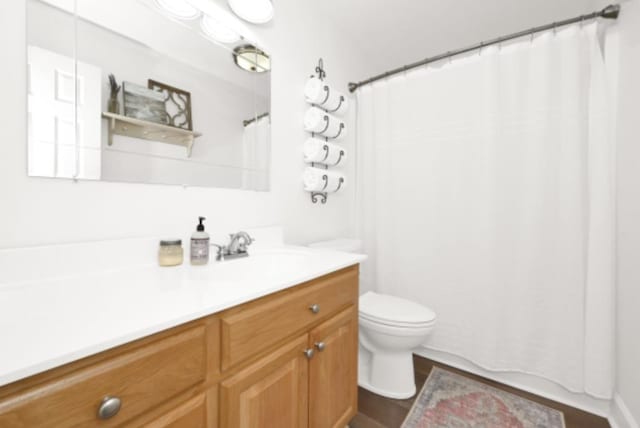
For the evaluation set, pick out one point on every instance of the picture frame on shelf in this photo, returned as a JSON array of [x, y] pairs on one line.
[[144, 104]]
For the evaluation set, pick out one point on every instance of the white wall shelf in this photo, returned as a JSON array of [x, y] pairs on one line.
[[137, 128]]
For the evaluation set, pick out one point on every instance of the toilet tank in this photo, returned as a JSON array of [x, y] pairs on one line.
[[347, 245]]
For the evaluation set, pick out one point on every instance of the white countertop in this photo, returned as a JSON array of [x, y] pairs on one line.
[[46, 323]]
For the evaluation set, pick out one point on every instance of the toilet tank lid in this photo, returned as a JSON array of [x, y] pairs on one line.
[[348, 245], [394, 309]]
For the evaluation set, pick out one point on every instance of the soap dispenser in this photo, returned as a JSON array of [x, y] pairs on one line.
[[200, 245]]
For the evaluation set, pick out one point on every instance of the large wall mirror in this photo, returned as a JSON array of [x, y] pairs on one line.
[[146, 91]]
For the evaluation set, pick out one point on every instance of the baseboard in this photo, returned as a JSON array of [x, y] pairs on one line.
[[620, 416], [526, 382]]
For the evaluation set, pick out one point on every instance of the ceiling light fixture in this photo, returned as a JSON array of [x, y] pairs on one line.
[[250, 58], [179, 8], [218, 31], [254, 11]]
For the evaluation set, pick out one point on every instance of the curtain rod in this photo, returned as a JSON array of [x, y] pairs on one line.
[[610, 12], [254, 119]]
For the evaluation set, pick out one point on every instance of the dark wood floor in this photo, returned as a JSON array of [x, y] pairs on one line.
[[379, 412]]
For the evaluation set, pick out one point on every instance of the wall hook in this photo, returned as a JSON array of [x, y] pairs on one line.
[[320, 70], [339, 131], [339, 105], [326, 152], [326, 124], [316, 195], [326, 97]]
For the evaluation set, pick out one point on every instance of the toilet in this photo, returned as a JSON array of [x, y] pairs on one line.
[[390, 328]]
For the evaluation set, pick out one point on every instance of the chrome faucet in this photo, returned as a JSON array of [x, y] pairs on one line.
[[239, 242], [237, 246]]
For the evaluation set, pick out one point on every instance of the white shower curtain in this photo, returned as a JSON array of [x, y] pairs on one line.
[[256, 154], [486, 192]]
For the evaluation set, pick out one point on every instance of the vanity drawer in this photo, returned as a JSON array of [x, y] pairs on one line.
[[191, 414], [141, 379], [255, 326]]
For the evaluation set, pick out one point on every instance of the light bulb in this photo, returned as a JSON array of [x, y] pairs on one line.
[[254, 11], [179, 8]]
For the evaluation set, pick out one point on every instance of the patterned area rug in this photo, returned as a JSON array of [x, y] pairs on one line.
[[448, 400]]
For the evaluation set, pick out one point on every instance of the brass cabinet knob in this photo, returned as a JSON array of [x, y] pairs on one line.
[[320, 346], [109, 407], [314, 308], [308, 353]]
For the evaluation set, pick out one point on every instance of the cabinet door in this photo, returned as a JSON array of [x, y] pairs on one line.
[[333, 391], [270, 393]]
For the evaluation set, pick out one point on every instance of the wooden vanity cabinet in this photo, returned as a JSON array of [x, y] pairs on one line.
[[285, 360]]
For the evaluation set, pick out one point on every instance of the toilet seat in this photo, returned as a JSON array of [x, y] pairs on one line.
[[394, 311], [398, 325]]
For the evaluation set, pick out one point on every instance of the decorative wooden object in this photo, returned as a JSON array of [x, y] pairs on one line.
[[177, 104], [136, 128], [304, 377]]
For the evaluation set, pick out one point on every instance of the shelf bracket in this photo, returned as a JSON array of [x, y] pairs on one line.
[[111, 131]]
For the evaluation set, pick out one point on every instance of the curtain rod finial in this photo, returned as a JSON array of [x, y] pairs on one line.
[[611, 12], [352, 87]]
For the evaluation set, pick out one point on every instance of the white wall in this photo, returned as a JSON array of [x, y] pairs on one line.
[[37, 211], [425, 28], [629, 210]]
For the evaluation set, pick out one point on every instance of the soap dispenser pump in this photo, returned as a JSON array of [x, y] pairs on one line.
[[200, 244]]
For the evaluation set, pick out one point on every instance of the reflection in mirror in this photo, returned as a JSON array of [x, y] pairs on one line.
[[146, 91]]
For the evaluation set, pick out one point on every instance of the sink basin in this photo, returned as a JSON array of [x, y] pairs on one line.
[[262, 265]]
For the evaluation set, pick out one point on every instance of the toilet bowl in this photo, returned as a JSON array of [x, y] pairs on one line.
[[389, 329]]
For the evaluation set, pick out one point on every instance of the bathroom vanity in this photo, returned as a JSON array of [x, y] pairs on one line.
[[287, 358]]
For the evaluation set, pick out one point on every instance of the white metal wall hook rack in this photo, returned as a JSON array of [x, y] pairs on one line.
[[321, 196]]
